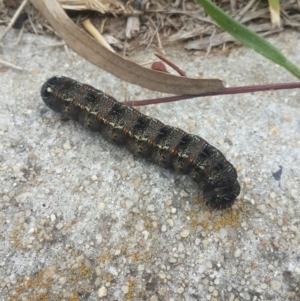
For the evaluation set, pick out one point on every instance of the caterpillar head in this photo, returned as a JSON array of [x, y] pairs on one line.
[[221, 197]]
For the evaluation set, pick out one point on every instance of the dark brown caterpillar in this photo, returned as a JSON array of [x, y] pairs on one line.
[[144, 136]]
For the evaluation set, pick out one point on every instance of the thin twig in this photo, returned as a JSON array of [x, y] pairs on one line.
[[243, 11], [96, 34], [155, 33], [210, 43], [102, 24], [14, 18], [20, 36], [32, 24], [159, 42], [67, 51], [128, 6], [147, 63], [222, 91], [10, 65], [57, 44]]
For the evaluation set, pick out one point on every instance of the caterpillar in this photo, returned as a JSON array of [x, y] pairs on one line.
[[147, 137]]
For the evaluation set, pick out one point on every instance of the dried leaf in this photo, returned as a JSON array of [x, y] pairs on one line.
[[126, 70]]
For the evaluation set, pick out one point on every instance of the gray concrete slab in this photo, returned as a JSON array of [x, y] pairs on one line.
[[81, 219]]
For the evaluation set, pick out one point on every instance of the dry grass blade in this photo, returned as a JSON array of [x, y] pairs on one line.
[[10, 65], [103, 6], [85, 46]]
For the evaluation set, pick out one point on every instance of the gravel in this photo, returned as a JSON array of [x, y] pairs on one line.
[[82, 219]]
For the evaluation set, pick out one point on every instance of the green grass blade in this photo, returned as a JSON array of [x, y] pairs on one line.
[[248, 37]]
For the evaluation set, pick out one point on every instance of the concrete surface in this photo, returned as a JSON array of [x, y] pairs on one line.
[[82, 219]]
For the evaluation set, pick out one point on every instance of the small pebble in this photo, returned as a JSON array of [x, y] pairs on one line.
[[183, 194], [208, 264], [43, 221], [294, 194], [16, 169], [294, 228], [264, 286], [6, 198], [59, 226], [185, 233], [239, 168], [86, 183], [163, 228], [57, 150], [94, 178], [180, 247], [97, 281], [98, 270], [273, 131], [170, 222], [150, 207], [276, 285], [145, 234], [11, 194], [169, 202], [125, 289], [102, 292], [31, 231], [280, 222], [197, 242], [261, 208], [128, 204], [215, 293], [247, 180], [137, 182], [62, 280], [101, 206], [162, 275], [67, 145], [237, 253]]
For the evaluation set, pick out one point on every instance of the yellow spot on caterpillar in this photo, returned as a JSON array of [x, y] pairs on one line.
[[49, 90]]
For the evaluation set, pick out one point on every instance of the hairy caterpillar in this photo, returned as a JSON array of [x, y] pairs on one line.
[[147, 137]]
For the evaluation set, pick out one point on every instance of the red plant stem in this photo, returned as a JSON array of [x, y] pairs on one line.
[[172, 65], [223, 91]]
